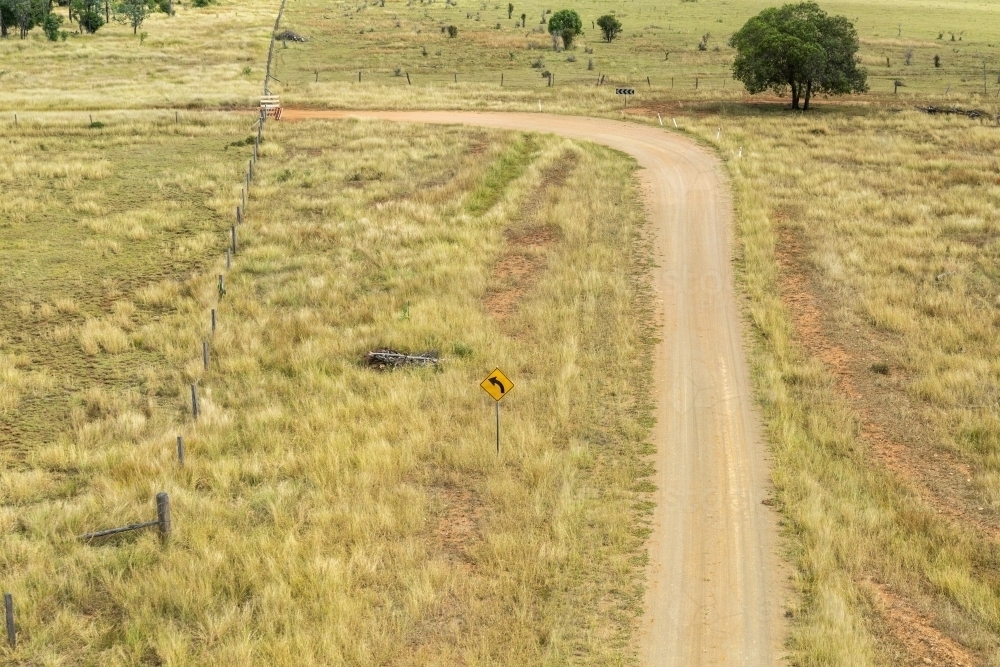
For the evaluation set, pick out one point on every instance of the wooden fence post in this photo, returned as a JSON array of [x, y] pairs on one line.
[[204, 353], [194, 400], [239, 216], [213, 320], [233, 230], [163, 515], [8, 605], [180, 449], [408, 79], [229, 258]]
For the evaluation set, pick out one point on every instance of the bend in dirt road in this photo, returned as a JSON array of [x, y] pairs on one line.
[[713, 589]]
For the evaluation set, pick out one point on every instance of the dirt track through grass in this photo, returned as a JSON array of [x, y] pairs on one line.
[[713, 588]]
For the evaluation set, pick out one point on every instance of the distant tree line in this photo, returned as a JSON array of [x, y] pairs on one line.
[[21, 16]]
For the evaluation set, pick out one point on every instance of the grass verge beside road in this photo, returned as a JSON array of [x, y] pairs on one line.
[[868, 247]]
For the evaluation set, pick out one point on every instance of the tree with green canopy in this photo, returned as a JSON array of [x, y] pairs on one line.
[[799, 47], [133, 12], [22, 14], [610, 26], [565, 23], [87, 13]]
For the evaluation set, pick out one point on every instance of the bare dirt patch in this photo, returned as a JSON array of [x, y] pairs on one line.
[[521, 266], [458, 526], [923, 643]]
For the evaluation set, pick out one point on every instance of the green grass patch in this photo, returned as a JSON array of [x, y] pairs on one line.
[[508, 166]]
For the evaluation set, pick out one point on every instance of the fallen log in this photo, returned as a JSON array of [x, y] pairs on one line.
[[389, 358], [969, 113], [289, 36]]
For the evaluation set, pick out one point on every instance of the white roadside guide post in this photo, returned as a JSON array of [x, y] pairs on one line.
[[497, 386]]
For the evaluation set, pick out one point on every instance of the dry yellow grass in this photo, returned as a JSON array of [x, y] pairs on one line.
[[200, 57], [301, 458], [329, 513]]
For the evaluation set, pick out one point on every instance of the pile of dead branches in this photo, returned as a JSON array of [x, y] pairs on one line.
[[289, 36], [386, 358], [969, 113]]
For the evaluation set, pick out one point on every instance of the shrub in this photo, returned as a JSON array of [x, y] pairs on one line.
[[937, 61], [51, 26], [452, 31], [91, 21], [610, 26], [703, 44]]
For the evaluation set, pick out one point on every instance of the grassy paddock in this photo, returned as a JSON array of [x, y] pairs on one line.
[[214, 56], [200, 57], [329, 513], [93, 219], [888, 214], [660, 41]]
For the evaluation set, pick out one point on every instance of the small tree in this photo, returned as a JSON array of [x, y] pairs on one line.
[[610, 26], [566, 23], [132, 13], [510, 10], [798, 47], [51, 26], [22, 14], [88, 14]]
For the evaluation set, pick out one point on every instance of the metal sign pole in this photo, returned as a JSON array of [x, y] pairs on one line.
[[497, 386]]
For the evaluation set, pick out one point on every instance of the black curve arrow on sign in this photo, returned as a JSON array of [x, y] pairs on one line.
[[503, 390]]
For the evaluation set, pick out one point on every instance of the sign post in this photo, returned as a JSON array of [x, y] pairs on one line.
[[497, 386], [626, 92]]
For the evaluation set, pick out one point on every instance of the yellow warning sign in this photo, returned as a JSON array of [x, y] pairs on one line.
[[497, 385]]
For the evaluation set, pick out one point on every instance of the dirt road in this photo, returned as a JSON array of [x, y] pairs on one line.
[[712, 595]]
